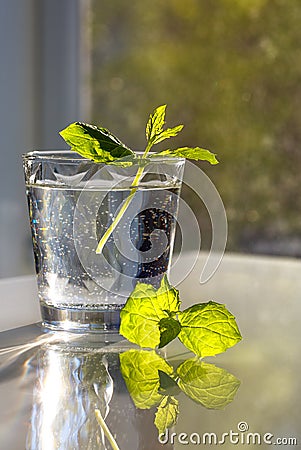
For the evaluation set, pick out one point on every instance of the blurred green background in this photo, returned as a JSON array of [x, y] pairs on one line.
[[230, 70]]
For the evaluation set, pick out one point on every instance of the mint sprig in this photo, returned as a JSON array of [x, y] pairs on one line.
[[101, 146], [152, 318]]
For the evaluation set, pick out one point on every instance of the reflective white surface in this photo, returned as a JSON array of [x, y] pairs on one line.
[[19, 302], [263, 294]]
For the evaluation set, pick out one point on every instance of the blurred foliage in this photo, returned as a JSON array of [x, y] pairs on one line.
[[230, 70]]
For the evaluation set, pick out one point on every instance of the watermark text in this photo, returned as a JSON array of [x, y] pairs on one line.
[[240, 436]]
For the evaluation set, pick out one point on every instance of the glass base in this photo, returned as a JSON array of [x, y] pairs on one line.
[[81, 320]]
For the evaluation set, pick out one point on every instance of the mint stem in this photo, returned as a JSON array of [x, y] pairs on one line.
[[126, 204]]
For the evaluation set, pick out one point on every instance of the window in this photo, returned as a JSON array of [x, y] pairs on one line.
[[42, 85], [230, 71]]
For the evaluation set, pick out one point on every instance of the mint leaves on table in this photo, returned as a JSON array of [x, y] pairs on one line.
[[148, 313], [152, 381], [152, 318], [208, 329], [169, 330], [101, 146]]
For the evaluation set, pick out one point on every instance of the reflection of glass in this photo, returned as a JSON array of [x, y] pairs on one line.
[[72, 202], [91, 394], [71, 384], [80, 400]]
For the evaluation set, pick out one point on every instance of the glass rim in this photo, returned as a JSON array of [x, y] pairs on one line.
[[71, 156]]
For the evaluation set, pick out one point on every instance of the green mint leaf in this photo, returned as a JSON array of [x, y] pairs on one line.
[[208, 329], [155, 123], [167, 413], [154, 128], [168, 296], [140, 370], [94, 143], [168, 386], [207, 384], [169, 330], [196, 153], [166, 134], [141, 315]]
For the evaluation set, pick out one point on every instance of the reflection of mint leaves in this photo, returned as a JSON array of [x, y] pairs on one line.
[[167, 413], [140, 370], [168, 385], [94, 143], [207, 384], [152, 318], [101, 146], [151, 381]]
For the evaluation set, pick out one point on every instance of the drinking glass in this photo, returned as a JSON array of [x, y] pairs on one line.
[[72, 202]]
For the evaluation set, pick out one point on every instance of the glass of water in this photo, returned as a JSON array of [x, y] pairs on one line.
[[72, 202]]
